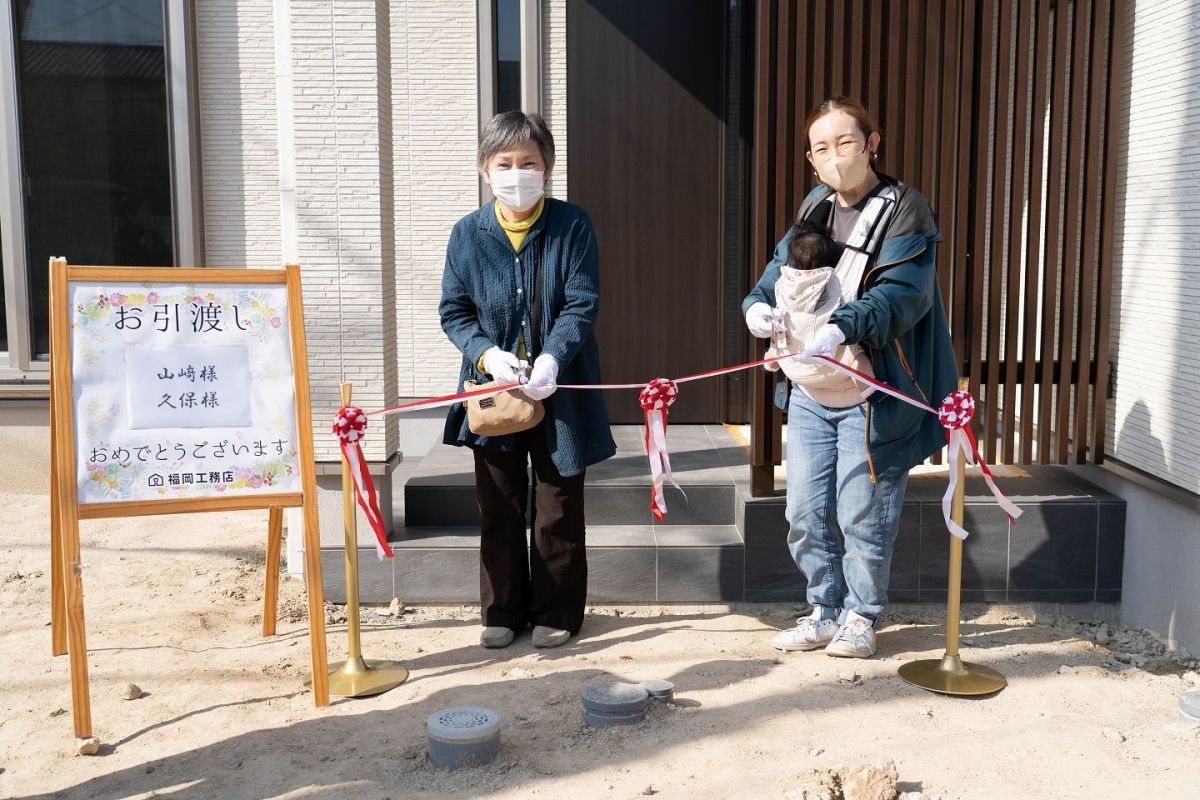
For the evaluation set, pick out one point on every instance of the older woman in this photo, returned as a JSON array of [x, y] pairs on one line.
[[497, 313], [847, 467]]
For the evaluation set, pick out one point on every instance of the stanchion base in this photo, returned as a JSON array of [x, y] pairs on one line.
[[952, 675], [360, 677]]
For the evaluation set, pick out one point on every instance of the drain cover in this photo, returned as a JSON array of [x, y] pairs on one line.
[[463, 724], [594, 720], [614, 698], [660, 690]]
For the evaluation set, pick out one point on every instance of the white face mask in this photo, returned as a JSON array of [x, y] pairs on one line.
[[844, 172], [518, 189]]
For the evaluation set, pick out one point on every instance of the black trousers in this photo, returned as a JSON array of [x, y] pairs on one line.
[[545, 584]]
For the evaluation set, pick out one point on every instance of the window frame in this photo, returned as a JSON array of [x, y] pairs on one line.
[[531, 64], [21, 373]]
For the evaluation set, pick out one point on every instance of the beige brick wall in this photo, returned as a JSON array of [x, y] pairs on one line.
[[435, 112], [387, 178], [344, 242], [345, 235], [236, 64], [554, 88]]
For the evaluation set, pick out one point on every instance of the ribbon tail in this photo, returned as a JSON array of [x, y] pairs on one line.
[[658, 504], [1009, 507], [361, 477], [659, 429], [957, 448]]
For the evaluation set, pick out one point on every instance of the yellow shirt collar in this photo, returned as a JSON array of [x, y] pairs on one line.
[[520, 227]]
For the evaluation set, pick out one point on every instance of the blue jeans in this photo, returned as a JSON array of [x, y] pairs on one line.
[[829, 489]]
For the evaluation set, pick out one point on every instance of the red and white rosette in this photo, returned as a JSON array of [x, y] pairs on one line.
[[350, 426], [656, 397], [955, 414]]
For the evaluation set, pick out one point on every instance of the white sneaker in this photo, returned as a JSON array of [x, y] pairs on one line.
[[855, 639], [810, 633]]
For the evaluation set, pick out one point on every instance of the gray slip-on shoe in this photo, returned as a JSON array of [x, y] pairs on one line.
[[495, 636], [549, 637]]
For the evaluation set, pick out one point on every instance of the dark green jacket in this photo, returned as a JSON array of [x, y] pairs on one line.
[[900, 320], [483, 289]]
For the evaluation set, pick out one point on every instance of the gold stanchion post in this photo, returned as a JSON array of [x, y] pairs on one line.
[[356, 676], [950, 674]]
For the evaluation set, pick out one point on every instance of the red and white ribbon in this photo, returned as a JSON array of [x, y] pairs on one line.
[[955, 414], [444, 400], [349, 426], [656, 397]]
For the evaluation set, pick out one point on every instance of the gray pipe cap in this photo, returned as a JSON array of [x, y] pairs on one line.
[[660, 690], [463, 724]]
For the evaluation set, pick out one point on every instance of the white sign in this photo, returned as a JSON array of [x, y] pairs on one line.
[[187, 387], [182, 391]]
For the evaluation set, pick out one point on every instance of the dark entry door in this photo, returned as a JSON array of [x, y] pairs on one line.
[[645, 137]]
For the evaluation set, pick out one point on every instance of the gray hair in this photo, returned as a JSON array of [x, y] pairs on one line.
[[512, 129]]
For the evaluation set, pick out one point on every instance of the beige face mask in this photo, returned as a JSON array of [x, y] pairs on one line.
[[844, 172]]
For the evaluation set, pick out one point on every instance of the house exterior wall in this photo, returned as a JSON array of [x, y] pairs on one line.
[[1154, 419]]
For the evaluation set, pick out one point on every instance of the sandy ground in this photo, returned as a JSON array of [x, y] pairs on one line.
[[173, 606]]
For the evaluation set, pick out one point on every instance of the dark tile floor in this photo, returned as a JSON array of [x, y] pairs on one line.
[[721, 544]]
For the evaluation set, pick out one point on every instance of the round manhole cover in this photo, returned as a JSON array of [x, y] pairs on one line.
[[597, 720], [615, 698], [463, 724]]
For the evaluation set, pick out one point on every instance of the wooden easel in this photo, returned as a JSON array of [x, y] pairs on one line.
[[68, 633]]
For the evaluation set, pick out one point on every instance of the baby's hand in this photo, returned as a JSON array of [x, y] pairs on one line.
[[771, 366]]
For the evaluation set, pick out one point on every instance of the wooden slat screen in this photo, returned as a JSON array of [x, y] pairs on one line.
[[1001, 112]]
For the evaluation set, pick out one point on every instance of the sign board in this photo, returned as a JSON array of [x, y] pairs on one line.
[[177, 390], [182, 391]]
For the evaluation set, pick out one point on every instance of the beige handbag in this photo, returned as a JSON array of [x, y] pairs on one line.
[[501, 414], [512, 411]]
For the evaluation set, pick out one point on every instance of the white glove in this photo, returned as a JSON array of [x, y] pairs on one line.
[[771, 366], [825, 343], [760, 320], [501, 365], [543, 379]]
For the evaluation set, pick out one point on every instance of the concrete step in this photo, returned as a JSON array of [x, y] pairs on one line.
[[723, 545], [626, 564], [703, 459]]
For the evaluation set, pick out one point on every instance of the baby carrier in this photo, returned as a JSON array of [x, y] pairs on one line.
[[807, 298]]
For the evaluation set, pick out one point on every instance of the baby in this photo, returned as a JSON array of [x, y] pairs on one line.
[[806, 294]]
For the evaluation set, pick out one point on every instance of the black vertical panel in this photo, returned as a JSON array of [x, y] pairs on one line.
[[1077, 93], [766, 442], [981, 112], [1033, 231], [964, 45], [808, 94], [1061, 54], [645, 144], [1016, 207], [1002, 133]]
